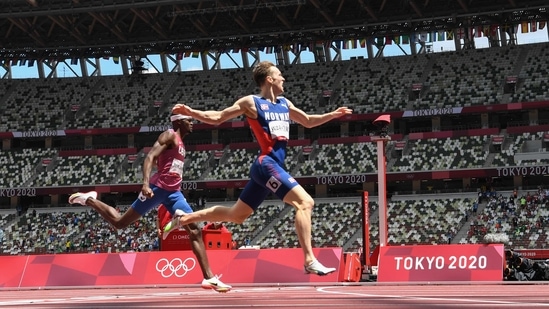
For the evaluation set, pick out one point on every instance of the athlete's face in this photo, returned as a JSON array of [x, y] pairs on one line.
[[277, 80], [187, 125]]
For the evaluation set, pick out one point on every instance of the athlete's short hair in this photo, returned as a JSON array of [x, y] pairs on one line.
[[261, 71]]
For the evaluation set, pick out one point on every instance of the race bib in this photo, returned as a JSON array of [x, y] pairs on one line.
[[177, 167], [141, 197], [279, 129]]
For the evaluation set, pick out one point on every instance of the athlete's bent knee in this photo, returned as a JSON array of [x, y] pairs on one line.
[[306, 204], [195, 233]]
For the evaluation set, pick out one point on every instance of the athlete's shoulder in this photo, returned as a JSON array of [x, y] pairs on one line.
[[169, 133], [168, 137], [250, 101], [283, 103], [166, 134], [256, 98]]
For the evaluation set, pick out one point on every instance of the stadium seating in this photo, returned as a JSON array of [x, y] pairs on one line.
[[506, 157], [195, 88], [454, 153], [333, 224], [524, 224], [334, 159], [81, 170], [256, 223], [235, 166], [425, 221], [532, 84], [18, 166], [45, 231], [44, 106], [456, 79], [452, 79], [119, 101], [380, 84], [305, 83], [449, 79], [410, 221]]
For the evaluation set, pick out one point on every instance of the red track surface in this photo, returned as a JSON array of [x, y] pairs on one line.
[[366, 295]]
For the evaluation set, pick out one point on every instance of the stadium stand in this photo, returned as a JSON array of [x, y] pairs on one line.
[[367, 85], [380, 85], [117, 101], [453, 153], [531, 84], [235, 164], [455, 79], [81, 170], [514, 145], [335, 159], [19, 165], [44, 106]]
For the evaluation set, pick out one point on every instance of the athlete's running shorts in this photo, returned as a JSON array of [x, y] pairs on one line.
[[266, 175], [171, 200]]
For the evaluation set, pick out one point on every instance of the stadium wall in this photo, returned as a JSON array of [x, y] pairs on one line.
[[164, 268]]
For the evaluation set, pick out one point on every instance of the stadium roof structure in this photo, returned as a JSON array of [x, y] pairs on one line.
[[41, 29]]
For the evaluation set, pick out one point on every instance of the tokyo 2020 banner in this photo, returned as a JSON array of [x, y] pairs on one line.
[[424, 263]]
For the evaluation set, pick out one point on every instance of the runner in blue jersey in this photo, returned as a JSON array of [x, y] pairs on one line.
[[269, 117]]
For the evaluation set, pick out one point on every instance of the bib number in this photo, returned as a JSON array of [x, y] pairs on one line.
[[177, 167], [279, 129]]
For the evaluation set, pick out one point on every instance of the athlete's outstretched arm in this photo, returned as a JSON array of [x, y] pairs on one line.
[[310, 121], [241, 106]]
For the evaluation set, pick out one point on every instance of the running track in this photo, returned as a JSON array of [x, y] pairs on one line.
[[363, 295]]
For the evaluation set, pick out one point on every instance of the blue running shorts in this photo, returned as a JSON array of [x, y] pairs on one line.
[[266, 175], [171, 200]]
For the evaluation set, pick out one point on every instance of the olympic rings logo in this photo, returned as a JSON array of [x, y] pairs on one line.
[[175, 267]]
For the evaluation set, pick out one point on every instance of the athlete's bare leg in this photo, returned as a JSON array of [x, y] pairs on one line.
[[199, 249], [111, 215], [237, 213], [303, 204]]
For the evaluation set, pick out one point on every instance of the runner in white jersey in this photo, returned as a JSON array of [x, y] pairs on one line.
[[269, 116], [164, 187]]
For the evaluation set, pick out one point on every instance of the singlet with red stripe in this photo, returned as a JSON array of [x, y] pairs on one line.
[[272, 127], [170, 167]]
